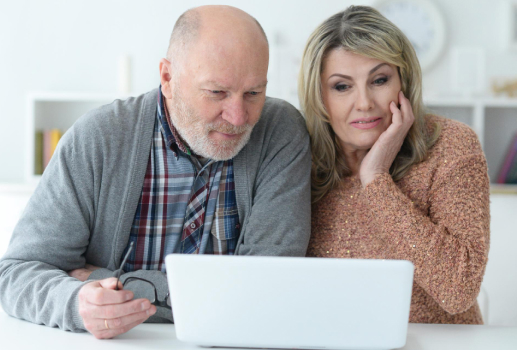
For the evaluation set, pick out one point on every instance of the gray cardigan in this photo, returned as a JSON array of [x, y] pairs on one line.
[[85, 203]]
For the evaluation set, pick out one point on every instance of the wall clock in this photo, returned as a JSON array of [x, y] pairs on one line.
[[422, 23]]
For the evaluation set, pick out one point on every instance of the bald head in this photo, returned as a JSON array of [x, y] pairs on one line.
[[208, 21]]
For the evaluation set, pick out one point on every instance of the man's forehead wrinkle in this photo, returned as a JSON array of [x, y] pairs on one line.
[[216, 83], [221, 84], [227, 62], [223, 38]]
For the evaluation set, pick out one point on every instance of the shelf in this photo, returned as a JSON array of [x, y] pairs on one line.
[[494, 119], [73, 96], [503, 189], [486, 101], [57, 110]]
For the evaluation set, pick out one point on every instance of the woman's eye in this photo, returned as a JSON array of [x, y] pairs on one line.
[[341, 87], [380, 81]]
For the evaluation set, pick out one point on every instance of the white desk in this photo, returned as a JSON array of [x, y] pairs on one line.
[[20, 335]]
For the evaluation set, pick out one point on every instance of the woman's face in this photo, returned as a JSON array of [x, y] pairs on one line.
[[357, 91]]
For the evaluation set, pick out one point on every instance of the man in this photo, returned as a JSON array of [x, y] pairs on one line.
[[205, 164]]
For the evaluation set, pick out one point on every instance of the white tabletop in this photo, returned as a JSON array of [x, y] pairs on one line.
[[20, 335]]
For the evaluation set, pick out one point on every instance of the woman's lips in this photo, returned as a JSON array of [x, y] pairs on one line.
[[366, 123]]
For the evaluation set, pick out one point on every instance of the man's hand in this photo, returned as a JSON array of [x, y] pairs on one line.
[[107, 312], [385, 149], [84, 273]]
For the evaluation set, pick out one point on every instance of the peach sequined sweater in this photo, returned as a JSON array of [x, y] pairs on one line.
[[437, 217]]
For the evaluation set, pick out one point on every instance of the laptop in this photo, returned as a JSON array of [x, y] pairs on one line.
[[285, 302]]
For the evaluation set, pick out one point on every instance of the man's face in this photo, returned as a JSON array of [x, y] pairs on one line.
[[217, 95]]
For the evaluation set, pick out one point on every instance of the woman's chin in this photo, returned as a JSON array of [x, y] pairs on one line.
[[360, 142], [364, 145]]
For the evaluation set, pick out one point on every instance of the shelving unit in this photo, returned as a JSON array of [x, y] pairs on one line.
[[56, 110], [493, 119], [495, 122]]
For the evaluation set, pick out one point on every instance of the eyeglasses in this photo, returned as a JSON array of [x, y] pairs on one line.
[[143, 286]]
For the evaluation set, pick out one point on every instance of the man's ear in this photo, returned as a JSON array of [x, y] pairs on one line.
[[166, 78]]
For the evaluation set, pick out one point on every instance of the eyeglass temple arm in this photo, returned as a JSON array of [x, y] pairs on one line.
[[123, 263]]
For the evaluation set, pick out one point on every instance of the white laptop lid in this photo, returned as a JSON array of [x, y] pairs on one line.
[[280, 302]]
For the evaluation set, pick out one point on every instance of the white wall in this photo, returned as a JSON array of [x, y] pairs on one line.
[[500, 280], [13, 200], [61, 45], [58, 45]]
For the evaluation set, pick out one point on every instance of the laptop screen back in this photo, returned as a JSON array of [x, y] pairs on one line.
[[279, 302]]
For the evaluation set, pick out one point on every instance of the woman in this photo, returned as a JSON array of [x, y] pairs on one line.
[[388, 180]]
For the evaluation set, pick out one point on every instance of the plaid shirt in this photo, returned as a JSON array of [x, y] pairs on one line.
[[185, 206]]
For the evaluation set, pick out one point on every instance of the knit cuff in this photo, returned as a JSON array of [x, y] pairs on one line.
[[379, 188], [76, 317], [394, 212]]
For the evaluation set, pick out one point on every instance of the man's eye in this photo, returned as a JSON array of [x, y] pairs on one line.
[[217, 94], [253, 93]]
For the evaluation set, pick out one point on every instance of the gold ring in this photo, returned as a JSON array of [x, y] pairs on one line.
[[106, 324]]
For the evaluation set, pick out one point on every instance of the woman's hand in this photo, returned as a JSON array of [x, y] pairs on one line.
[[385, 149]]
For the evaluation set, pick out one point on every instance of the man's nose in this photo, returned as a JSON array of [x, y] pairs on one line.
[[235, 111], [364, 101]]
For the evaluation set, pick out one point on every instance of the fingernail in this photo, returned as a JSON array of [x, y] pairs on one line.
[[129, 296], [144, 306]]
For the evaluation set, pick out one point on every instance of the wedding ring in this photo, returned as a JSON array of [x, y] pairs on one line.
[[106, 324]]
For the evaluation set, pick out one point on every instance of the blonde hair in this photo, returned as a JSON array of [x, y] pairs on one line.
[[361, 30]]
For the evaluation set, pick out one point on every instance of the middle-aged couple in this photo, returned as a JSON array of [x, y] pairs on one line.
[[206, 164]]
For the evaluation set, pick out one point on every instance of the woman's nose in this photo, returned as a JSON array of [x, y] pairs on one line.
[[364, 101]]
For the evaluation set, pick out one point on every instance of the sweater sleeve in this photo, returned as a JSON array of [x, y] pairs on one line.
[[50, 239], [53, 236], [449, 244]]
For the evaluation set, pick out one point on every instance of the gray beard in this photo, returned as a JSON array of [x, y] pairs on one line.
[[195, 132]]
